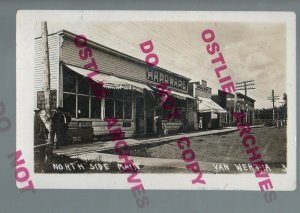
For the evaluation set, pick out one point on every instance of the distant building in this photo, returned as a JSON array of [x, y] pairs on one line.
[[208, 114], [243, 104]]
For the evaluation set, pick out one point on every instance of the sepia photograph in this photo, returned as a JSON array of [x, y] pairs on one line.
[[160, 96]]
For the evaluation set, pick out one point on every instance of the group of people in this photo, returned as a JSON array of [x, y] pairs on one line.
[[280, 123], [58, 126]]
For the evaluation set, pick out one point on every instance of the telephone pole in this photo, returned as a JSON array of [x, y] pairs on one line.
[[45, 50], [273, 99], [245, 85]]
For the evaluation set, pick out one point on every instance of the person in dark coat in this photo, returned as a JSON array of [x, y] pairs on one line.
[[40, 139], [59, 124], [40, 130], [159, 125]]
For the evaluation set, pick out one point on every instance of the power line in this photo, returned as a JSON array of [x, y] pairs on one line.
[[273, 99], [245, 85]]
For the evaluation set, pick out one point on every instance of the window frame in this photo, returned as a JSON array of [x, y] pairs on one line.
[[103, 100], [77, 94], [123, 100]]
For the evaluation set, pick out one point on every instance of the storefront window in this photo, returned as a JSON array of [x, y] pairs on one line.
[[83, 85], [175, 110], [69, 82], [119, 109], [69, 102], [75, 85], [95, 108], [109, 108], [120, 106], [128, 95], [119, 94], [110, 93], [83, 107], [118, 102], [180, 105], [127, 109]]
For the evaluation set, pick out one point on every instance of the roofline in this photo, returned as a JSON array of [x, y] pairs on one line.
[[238, 93], [115, 52], [246, 96], [195, 83]]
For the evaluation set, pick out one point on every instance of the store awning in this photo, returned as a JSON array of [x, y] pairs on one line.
[[178, 95], [208, 105], [110, 81], [181, 95]]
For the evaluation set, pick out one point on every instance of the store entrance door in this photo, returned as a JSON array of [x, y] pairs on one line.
[[140, 124], [150, 106], [150, 120]]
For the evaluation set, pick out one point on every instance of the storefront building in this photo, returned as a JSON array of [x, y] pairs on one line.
[[207, 114], [129, 83], [243, 104]]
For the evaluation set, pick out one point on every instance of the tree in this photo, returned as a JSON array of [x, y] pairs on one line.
[[285, 106]]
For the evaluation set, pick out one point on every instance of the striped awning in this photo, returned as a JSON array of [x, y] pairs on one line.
[[208, 105], [111, 81], [177, 95]]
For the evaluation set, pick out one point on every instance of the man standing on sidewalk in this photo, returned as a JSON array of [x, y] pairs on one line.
[[40, 141], [40, 130], [59, 124], [200, 123], [158, 122]]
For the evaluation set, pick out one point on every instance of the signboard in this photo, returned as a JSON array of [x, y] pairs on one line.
[[161, 77], [41, 99], [214, 115], [84, 124], [80, 124]]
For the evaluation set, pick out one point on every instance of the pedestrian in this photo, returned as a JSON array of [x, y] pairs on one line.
[[158, 122], [40, 130], [185, 125], [200, 123], [40, 138], [59, 124], [166, 132]]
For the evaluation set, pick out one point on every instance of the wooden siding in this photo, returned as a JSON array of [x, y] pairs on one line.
[[53, 41], [110, 63], [107, 63]]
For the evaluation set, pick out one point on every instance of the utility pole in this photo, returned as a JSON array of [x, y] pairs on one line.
[[245, 85], [45, 50], [273, 99]]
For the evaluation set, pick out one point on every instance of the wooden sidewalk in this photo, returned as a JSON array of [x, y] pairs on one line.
[[100, 146]]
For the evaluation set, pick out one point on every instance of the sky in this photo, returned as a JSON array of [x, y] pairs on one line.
[[252, 51]]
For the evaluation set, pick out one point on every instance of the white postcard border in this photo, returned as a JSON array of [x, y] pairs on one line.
[[26, 21]]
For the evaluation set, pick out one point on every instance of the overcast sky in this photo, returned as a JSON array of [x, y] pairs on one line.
[[251, 51]]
